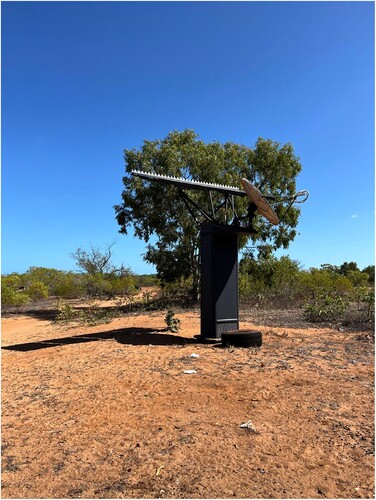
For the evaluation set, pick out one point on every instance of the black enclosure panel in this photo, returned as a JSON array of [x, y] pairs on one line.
[[219, 280]]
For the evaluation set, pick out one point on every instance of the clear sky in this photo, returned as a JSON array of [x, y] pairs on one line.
[[82, 81]]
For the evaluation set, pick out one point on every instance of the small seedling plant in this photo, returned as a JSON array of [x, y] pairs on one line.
[[173, 324]]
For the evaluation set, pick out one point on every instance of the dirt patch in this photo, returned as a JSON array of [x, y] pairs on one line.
[[108, 412]]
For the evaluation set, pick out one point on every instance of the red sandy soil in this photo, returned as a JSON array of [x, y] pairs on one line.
[[108, 412]]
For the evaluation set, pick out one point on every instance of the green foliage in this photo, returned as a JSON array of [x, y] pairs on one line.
[[11, 295], [66, 313], [319, 282], [358, 278], [49, 277], [146, 280], [285, 275], [329, 267], [173, 324], [325, 294], [69, 285], [370, 270], [153, 208], [365, 297], [348, 266], [325, 308], [91, 315], [351, 271], [177, 292], [37, 290], [39, 282], [63, 284], [269, 277], [95, 315], [122, 285]]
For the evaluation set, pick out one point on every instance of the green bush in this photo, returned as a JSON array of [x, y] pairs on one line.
[[173, 324], [37, 291], [255, 277], [10, 297], [319, 282], [95, 315], [176, 292], [65, 284], [92, 315], [143, 280], [11, 294], [69, 286], [107, 286], [122, 285], [66, 313], [357, 278], [325, 308], [370, 270], [365, 298], [269, 278]]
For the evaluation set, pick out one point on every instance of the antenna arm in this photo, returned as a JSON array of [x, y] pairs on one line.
[[188, 202], [251, 212]]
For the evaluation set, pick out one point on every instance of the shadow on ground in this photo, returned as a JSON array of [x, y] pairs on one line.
[[130, 336], [42, 314]]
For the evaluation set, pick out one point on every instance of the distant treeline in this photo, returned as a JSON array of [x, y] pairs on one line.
[[324, 293], [40, 283]]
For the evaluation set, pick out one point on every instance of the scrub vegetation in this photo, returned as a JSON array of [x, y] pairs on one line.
[[325, 294], [329, 293]]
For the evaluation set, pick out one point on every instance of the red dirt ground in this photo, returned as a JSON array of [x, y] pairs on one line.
[[108, 412]]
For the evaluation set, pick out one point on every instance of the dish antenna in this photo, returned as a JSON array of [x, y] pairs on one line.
[[260, 201]]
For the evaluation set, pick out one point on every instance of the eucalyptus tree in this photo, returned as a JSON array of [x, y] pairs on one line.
[[151, 208]]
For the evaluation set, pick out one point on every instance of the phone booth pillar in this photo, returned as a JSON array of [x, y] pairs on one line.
[[219, 279]]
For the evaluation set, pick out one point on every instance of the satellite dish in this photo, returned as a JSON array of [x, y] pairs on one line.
[[259, 200]]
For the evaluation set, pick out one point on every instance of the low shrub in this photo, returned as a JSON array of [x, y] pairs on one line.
[[66, 313], [365, 298], [91, 315], [326, 308], [95, 315], [173, 324], [37, 290], [11, 292]]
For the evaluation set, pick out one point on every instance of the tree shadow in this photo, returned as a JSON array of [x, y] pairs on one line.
[[128, 336], [42, 314]]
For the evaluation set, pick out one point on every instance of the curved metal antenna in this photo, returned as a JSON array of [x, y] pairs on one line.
[[295, 199], [304, 193], [260, 201]]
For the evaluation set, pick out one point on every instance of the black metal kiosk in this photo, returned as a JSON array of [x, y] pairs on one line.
[[219, 279], [219, 254]]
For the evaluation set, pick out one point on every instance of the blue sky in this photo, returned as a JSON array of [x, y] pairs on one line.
[[82, 81]]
